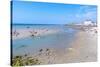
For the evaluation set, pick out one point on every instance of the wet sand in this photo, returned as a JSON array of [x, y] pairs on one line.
[[83, 49]]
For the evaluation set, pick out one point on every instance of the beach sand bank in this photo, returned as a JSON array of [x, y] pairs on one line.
[[82, 49], [23, 33]]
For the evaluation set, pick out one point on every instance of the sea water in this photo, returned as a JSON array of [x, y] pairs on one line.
[[30, 45]]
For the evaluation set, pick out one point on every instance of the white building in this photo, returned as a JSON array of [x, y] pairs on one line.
[[88, 22]]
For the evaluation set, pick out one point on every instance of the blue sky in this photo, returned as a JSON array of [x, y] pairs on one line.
[[25, 12]]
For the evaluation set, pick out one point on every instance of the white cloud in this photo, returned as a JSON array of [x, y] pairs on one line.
[[87, 12]]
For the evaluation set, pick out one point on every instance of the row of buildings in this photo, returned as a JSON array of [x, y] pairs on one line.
[[88, 23]]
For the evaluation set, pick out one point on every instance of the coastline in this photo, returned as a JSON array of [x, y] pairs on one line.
[[83, 49]]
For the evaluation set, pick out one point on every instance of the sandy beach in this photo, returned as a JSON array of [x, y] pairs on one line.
[[83, 49]]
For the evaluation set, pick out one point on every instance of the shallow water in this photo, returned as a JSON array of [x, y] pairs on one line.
[[31, 45]]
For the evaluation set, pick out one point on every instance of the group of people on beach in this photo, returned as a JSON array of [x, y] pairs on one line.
[[32, 32], [15, 33]]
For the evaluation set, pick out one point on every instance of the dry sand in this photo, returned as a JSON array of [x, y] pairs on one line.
[[84, 48]]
